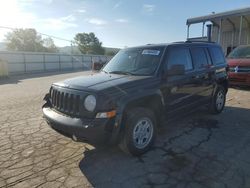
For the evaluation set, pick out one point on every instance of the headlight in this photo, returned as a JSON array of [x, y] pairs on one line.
[[90, 103]]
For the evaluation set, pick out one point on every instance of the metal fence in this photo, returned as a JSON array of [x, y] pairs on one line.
[[30, 62]]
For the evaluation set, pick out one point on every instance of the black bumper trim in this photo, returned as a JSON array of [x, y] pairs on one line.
[[92, 130]]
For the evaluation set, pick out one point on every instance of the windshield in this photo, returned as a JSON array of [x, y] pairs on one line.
[[135, 61], [240, 52]]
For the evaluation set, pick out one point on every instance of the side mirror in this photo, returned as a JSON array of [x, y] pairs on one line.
[[176, 70]]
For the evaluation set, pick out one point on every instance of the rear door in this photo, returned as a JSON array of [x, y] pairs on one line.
[[204, 77]]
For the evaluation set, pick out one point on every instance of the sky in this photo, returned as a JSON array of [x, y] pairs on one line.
[[116, 23]]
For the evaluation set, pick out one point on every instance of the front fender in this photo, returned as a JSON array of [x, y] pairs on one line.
[[122, 104]]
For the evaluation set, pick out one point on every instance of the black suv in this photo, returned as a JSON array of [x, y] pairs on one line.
[[136, 90]]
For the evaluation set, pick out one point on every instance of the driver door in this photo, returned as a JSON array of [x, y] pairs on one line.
[[179, 90]]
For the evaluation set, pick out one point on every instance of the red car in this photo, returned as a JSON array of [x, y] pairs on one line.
[[239, 66]]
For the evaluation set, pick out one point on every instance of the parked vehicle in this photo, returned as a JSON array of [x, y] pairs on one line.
[[141, 86], [239, 66]]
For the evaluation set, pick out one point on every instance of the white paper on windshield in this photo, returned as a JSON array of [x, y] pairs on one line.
[[150, 52]]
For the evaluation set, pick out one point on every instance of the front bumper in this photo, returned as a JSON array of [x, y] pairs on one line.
[[241, 79], [91, 130]]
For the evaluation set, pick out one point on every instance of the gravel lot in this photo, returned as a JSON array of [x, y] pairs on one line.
[[195, 151]]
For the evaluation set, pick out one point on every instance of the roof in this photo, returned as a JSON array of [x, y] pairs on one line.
[[223, 15], [186, 43]]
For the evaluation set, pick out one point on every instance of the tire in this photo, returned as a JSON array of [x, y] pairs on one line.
[[218, 101], [139, 132]]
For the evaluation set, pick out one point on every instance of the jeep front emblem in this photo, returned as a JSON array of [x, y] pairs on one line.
[[236, 69]]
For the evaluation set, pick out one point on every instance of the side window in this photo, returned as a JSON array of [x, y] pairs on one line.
[[208, 57], [179, 56], [217, 55], [199, 57]]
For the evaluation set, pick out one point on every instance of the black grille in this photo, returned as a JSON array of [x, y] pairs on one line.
[[65, 102]]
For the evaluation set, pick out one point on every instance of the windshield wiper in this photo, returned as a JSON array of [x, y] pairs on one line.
[[121, 72], [105, 71]]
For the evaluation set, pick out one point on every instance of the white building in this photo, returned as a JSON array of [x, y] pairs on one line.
[[229, 29]]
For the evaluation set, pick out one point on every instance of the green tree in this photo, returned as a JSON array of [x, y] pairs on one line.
[[88, 43], [29, 40]]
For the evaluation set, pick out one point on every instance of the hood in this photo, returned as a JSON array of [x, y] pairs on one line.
[[99, 81], [238, 62]]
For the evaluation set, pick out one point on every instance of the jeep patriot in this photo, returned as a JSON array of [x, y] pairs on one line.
[[136, 90]]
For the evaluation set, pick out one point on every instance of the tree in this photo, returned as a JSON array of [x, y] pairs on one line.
[[111, 51], [88, 43], [24, 40], [29, 40], [49, 45]]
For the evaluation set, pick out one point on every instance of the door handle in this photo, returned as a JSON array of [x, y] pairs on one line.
[[199, 76], [196, 76]]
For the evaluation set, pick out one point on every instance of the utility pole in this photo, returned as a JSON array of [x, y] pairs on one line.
[[71, 47]]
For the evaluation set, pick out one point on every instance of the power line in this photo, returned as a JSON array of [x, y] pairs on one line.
[[51, 36]]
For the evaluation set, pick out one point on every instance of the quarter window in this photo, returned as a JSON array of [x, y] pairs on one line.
[[217, 55], [179, 56], [199, 57]]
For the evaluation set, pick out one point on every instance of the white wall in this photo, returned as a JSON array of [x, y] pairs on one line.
[[231, 38], [28, 62]]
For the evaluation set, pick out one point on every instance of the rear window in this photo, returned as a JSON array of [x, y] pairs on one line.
[[217, 55]]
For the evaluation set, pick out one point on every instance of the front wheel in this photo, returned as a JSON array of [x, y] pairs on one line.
[[139, 132], [218, 101]]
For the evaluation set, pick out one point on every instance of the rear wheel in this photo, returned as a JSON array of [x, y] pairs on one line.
[[218, 101], [139, 131]]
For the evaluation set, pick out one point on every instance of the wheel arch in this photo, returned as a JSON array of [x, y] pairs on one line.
[[153, 102], [224, 83]]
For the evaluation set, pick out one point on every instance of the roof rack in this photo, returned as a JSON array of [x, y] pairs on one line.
[[180, 42], [199, 41]]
